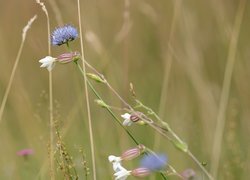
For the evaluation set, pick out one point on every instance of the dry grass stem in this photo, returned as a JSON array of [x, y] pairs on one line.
[[86, 93], [221, 118], [5, 97]]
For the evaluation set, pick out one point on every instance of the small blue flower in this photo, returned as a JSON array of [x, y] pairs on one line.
[[63, 35], [154, 162]]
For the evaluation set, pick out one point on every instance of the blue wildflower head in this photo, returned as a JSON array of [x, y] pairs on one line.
[[63, 35], [154, 162]]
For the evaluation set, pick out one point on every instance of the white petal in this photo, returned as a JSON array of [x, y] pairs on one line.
[[114, 158], [48, 62], [126, 116], [122, 174], [51, 66], [127, 122], [117, 167], [47, 59], [111, 158], [116, 163], [43, 65]]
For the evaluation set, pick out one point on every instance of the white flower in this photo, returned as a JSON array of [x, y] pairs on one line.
[[48, 62], [116, 163], [127, 121], [122, 174]]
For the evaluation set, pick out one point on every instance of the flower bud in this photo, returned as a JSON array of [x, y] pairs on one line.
[[95, 78], [133, 153], [142, 123], [180, 145], [68, 57], [101, 103], [140, 172], [135, 116], [25, 152], [188, 174]]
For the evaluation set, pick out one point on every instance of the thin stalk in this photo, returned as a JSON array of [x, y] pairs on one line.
[[153, 125], [109, 86], [111, 112], [51, 140], [51, 153], [51, 114], [6, 94], [221, 119], [174, 135], [175, 173], [108, 108], [51, 117], [200, 165], [86, 93]]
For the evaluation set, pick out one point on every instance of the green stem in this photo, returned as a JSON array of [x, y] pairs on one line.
[[158, 128], [200, 165], [176, 137], [111, 113], [108, 109], [68, 47]]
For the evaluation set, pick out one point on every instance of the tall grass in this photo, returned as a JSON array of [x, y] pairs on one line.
[[221, 119], [7, 91], [51, 112], [175, 53], [86, 93]]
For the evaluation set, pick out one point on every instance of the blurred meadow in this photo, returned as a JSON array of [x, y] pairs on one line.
[[174, 52]]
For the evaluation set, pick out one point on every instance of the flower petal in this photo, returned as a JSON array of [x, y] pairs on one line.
[[122, 174], [126, 116], [116, 163], [48, 62], [63, 35], [127, 122]]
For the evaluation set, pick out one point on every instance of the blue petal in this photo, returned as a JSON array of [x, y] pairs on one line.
[[63, 35], [154, 162]]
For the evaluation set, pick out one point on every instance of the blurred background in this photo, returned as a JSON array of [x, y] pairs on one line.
[[175, 54]]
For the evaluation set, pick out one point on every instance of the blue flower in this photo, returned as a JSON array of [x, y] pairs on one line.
[[63, 35], [154, 162]]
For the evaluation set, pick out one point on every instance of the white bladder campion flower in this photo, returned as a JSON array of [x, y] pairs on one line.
[[127, 121], [134, 117], [120, 172], [48, 62], [116, 162]]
